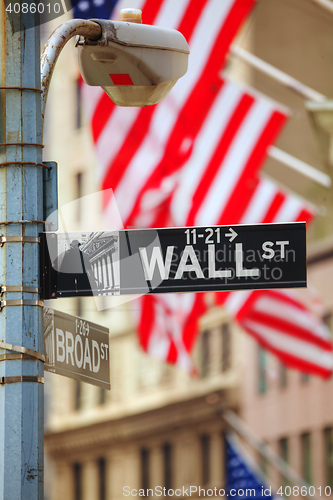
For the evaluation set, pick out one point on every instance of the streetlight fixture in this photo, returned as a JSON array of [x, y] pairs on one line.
[[321, 117], [135, 64]]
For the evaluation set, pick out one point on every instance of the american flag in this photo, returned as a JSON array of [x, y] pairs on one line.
[[221, 159], [284, 326], [160, 137], [276, 319], [242, 472], [168, 326], [194, 159]]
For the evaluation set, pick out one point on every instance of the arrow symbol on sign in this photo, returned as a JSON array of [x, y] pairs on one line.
[[232, 234]]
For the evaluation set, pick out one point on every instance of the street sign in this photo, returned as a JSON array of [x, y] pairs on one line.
[[188, 259], [76, 348]]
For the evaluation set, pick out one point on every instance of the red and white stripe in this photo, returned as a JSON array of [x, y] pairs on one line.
[[227, 156], [168, 326], [268, 203], [199, 152], [285, 327], [156, 329], [224, 160], [275, 318], [134, 145], [137, 149]]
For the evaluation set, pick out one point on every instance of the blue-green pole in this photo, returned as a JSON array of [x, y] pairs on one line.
[[21, 207]]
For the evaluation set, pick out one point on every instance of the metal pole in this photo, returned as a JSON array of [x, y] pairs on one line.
[[21, 210], [300, 166], [300, 89], [326, 4], [277, 74]]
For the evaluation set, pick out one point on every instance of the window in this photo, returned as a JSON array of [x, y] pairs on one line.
[[78, 395], [102, 396], [77, 471], [79, 306], [262, 376], [144, 469], [306, 457], [226, 347], [305, 377], [283, 444], [328, 450], [205, 352], [328, 319], [78, 123], [167, 456], [283, 375], [102, 478], [79, 194], [205, 457], [284, 449]]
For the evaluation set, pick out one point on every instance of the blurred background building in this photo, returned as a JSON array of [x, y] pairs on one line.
[[159, 425]]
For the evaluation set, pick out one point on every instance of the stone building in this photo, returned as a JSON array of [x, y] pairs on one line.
[[157, 427], [292, 411]]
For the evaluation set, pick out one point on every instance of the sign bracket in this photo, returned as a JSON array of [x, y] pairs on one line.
[[22, 350]]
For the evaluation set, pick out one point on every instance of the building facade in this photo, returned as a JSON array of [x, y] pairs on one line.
[[290, 410], [158, 426]]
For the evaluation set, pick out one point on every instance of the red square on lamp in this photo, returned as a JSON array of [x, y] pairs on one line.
[[121, 80]]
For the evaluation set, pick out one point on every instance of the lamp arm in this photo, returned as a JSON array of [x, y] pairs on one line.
[[56, 43]]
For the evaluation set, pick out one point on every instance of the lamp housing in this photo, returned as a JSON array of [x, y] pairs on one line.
[[135, 64]]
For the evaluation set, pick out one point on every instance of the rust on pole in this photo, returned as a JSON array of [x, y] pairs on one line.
[[21, 213]]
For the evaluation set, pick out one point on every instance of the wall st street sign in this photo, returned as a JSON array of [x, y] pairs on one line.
[[188, 259], [76, 348]]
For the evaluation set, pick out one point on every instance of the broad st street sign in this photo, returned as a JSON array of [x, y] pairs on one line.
[[76, 348], [189, 259]]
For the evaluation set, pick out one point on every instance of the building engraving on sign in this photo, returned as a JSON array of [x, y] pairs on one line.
[[88, 261]]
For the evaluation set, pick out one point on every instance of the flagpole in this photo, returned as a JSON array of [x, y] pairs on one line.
[[278, 75], [266, 451], [302, 90], [326, 4], [300, 166]]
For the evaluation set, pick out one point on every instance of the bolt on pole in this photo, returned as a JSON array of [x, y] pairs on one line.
[[21, 210]]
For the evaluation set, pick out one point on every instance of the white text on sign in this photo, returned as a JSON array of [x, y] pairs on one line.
[[75, 351]]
